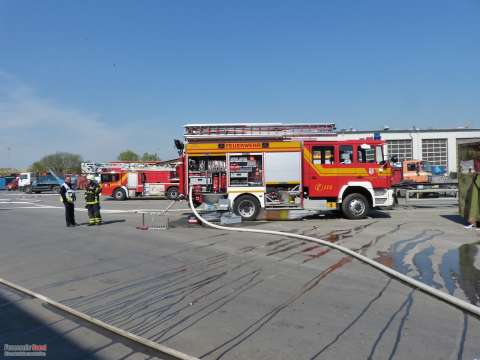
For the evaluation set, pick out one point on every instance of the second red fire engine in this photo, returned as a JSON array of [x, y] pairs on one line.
[[126, 180]]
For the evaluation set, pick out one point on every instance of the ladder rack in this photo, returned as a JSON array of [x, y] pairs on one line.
[[99, 167], [257, 130]]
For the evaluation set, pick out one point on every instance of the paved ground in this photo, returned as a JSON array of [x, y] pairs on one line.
[[27, 321], [220, 295]]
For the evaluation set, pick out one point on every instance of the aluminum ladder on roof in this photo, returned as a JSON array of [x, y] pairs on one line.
[[264, 130]]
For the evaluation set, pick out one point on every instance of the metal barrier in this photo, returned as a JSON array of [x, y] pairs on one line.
[[160, 215], [428, 191]]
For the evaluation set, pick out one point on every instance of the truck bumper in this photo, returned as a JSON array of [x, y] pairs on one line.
[[385, 199]]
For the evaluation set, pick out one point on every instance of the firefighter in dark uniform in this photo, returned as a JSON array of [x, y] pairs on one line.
[[68, 198], [92, 201]]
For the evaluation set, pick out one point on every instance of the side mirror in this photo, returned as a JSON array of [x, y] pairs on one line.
[[394, 159], [178, 144]]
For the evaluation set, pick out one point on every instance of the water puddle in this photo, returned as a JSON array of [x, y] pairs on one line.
[[458, 269]]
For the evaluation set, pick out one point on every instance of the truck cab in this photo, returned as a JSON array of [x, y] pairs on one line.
[[24, 180], [350, 173], [417, 171]]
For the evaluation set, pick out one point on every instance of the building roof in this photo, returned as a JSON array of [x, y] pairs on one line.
[[345, 131]]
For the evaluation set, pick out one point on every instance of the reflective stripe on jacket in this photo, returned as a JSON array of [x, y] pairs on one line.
[[92, 193], [67, 194]]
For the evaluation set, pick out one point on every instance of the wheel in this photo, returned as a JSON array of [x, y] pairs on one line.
[[28, 189], [172, 193], [247, 206], [119, 194], [56, 189], [355, 206]]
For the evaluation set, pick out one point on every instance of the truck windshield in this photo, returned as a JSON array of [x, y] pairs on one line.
[[370, 155], [379, 154], [23, 177]]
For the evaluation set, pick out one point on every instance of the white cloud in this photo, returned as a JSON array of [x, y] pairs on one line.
[[33, 126]]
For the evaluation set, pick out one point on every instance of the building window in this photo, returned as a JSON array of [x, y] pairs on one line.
[[402, 149], [435, 151]]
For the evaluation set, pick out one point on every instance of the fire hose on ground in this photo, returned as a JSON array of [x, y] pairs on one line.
[[451, 300]]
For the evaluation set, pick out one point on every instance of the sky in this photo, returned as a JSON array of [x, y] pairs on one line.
[[99, 77]]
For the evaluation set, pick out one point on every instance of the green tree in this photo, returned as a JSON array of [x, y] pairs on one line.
[[37, 167], [60, 162], [128, 155], [150, 157], [8, 171]]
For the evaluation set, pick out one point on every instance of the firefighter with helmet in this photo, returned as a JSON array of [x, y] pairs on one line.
[[92, 201]]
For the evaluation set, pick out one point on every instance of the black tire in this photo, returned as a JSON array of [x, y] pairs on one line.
[[119, 194], [355, 206], [246, 206], [56, 189], [172, 193]]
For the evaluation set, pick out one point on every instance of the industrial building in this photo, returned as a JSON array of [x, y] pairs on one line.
[[438, 146]]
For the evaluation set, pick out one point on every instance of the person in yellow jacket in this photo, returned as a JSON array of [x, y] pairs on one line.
[[92, 201]]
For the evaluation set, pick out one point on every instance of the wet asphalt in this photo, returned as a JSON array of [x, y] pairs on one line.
[[222, 295]]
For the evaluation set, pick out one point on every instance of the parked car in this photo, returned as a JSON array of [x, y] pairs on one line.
[[13, 185], [44, 183], [5, 181]]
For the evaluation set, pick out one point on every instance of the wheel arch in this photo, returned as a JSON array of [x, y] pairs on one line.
[[172, 186], [364, 188], [253, 209], [258, 195], [124, 188]]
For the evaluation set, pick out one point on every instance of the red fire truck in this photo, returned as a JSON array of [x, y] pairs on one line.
[[126, 180], [284, 170]]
